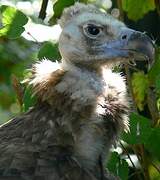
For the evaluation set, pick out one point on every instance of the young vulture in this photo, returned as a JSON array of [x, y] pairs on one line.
[[82, 105]]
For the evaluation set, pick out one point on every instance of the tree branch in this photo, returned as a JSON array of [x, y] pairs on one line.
[[151, 102], [42, 13], [125, 150], [157, 6]]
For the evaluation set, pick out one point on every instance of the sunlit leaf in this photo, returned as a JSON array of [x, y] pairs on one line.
[[158, 104], [140, 86], [140, 129], [136, 9], [13, 21], [154, 174]]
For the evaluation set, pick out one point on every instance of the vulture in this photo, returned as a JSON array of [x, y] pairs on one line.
[[82, 106]]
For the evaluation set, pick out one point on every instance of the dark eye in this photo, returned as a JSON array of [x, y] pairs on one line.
[[93, 30]]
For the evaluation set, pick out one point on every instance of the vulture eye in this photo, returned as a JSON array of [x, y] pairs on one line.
[[92, 30]]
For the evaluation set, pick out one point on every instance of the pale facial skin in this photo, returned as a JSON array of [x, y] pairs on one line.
[[98, 39]]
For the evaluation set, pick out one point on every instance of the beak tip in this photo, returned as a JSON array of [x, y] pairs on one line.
[[143, 45]]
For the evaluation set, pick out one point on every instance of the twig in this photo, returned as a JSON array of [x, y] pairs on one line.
[[18, 89], [144, 162], [42, 13], [32, 37], [119, 3], [157, 6], [136, 172], [128, 155]]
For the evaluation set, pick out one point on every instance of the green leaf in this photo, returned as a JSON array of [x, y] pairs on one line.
[[49, 51], [136, 9], [58, 9], [123, 169], [13, 21], [140, 86], [157, 83], [158, 104], [118, 166], [153, 142], [140, 129], [113, 160], [28, 99], [59, 6]]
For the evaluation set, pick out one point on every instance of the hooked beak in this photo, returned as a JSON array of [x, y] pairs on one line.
[[132, 44]]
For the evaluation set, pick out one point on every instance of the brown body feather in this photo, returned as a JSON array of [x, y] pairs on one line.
[[62, 137]]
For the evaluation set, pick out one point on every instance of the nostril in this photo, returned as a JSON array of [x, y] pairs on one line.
[[124, 37]]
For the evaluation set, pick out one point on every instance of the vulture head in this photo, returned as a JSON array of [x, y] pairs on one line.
[[93, 38]]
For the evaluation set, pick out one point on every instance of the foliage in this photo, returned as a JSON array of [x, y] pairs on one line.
[[139, 131], [58, 8], [50, 51], [154, 72], [144, 137], [138, 8], [140, 86], [28, 99], [118, 166], [13, 21]]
